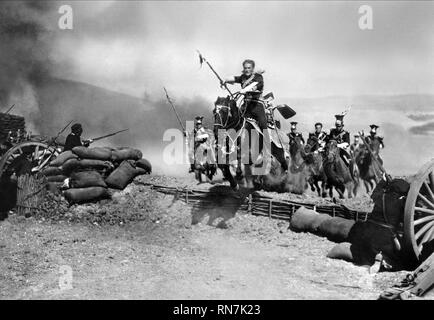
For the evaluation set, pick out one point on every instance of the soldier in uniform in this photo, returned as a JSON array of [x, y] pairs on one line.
[[294, 133], [200, 136], [318, 135], [355, 145], [74, 138], [373, 136], [342, 138], [253, 108]]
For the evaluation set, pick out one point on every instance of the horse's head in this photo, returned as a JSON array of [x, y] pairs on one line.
[[331, 150], [311, 144], [295, 145], [362, 156], [226, 113]]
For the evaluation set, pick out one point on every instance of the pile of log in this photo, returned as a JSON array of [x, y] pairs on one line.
[[10, 123], [87, 174]]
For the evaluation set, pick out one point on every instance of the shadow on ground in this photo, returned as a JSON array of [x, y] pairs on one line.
[[219, 206]]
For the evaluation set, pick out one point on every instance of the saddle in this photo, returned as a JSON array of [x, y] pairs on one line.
[[273, 132]]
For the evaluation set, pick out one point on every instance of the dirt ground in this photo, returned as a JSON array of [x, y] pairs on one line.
[[160, 252]]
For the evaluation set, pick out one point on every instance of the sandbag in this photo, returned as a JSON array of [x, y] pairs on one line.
[[85, 179], [336, 229], [62, 158], [341, 251], [69, 166], [144, 164], [81, 195], [122, 175], [52, 171], [57, 178], [54, 187], [86, 164], [97, 153], [122, 154], [305, 220]]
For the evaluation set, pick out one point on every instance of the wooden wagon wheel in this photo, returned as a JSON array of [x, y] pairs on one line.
[[419, 212], [39, 153]]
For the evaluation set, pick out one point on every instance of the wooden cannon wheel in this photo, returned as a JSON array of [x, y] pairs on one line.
[[39, 153], [419, 212]]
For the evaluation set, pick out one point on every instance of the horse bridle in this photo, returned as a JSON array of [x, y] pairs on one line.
[[225, 125]]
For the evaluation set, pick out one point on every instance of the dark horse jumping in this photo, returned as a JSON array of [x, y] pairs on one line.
[[227, 116], [369, 169]]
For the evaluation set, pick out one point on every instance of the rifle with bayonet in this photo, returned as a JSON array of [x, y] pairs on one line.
[[106, 136], [10, 109]]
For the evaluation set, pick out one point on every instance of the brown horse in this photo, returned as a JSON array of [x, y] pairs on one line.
[[315, 161], [339, 175], [227, 116], [298, 171], [369, 169]]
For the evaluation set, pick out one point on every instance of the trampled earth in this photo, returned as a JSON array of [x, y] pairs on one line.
[[146, 245]]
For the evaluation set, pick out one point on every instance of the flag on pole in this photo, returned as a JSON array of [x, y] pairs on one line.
[[201, 58]]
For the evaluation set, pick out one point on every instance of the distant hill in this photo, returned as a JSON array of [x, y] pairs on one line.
[[103, 111]]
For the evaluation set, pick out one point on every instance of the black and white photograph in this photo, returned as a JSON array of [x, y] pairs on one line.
[[216, 154]]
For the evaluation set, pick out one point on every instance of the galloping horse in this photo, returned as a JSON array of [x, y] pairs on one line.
[[227, 116], [369, 169], [339, 175], [298, 170], [314, 161]]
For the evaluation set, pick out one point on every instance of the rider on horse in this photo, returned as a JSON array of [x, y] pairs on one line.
[[253, 107], [342, 138], [201, 136], [318, 135], [373, 136], [294, 133]]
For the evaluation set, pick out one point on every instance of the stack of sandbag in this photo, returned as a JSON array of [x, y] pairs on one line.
[[89, 172], [55, 173], [333, 228]]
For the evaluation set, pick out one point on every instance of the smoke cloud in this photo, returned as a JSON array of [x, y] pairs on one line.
[[25, 54]]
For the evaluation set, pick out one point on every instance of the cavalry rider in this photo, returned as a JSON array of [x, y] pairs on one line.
[[294, 133], [200, 136], [318, 135], [373, 136], [342, 138], [354, 147], [74, 138], [253, 107]]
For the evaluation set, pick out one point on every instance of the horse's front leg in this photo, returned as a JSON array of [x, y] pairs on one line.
[[249, 176], [323, 189], [225, 168], [318, 189]]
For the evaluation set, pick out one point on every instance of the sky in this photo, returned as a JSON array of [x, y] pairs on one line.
[[307, 49]]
